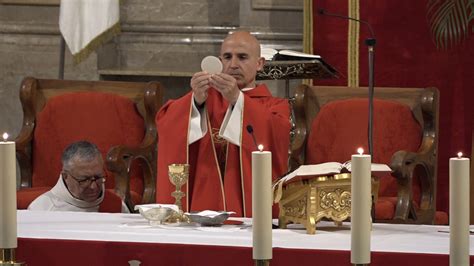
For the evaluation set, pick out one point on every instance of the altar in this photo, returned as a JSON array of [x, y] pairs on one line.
[[68, 238]]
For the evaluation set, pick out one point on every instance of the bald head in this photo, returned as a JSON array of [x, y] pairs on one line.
[[244, 38], [240, 56]]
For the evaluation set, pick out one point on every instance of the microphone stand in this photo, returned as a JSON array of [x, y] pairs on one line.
[[370, 43]]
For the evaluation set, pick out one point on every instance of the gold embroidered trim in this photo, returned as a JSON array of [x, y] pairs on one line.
[[217, 162], [216, 137], [241, 158], [96, 42], [187, 149], [308, 31], [353, 45]]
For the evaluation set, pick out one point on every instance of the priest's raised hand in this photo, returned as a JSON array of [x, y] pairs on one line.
[[199, 86], [226, 85]]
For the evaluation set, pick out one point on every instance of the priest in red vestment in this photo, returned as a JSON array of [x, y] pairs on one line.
[[206, 128]]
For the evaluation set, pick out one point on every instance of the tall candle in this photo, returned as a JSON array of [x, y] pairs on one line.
[[8, 237], [459, 211], [262, 204], [360, 208]]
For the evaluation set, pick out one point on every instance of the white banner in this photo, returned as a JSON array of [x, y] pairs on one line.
[[86, 24]]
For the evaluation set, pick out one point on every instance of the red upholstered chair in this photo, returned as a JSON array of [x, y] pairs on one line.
[[331, 123], [117, 116]]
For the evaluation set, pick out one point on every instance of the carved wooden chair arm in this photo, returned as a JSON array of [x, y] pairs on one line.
[[406, 165], [23, 155], [299, 130], [28, 93], [119, 161]]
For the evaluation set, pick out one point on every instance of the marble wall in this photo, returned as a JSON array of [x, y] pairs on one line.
[[29, 46], [161, 40]]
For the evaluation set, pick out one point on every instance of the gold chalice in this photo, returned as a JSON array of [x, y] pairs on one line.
[[178, 174]]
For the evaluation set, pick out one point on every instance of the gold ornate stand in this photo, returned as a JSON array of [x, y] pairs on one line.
[[8, 257], [262, 262], [310, 200]]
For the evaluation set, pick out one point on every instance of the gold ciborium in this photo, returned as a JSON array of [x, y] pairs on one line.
[[178, 174]]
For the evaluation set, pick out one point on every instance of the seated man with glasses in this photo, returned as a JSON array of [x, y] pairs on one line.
[[81, 184]]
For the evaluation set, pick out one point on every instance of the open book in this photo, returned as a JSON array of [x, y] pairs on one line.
[[330, 168], [286, 55]]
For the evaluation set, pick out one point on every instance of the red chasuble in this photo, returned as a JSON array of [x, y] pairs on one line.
[[208, 188]]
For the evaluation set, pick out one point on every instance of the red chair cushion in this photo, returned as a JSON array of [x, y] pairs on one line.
[[25, 196], [103, 118], [441, 218], [385, 208], [341, 127], [111, 203], [136, 198]]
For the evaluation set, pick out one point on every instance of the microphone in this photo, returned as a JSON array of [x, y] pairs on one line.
[[250, 131], [368, 41]]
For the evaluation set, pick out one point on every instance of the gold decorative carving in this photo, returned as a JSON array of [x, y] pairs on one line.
[[308, 201], [337, 199]]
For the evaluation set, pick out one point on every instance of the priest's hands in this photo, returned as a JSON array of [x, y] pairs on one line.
[[200, 85], [226, 85], [223, 83]]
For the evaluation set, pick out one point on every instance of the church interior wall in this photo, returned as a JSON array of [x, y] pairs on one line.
[[160, 40]]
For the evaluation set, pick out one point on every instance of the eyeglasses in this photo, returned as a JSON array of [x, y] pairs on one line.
[[86, 181]]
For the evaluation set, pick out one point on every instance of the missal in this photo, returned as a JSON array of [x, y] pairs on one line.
[[329, 168], [271, 54]]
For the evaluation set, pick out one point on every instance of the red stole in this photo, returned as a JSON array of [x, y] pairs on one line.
[[207, 187]]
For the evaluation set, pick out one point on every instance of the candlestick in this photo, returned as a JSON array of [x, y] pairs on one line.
[[360, 208], [8, 234], [262, 206], [459, 211]]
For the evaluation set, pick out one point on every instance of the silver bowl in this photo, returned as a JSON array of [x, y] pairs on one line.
[[157, 215], [206, 220]]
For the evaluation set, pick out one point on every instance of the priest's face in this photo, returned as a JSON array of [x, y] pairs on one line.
[[85, 178], [240, 56]]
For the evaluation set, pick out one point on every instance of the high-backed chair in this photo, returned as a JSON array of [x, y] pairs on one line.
[[332, 122], [117, 116]]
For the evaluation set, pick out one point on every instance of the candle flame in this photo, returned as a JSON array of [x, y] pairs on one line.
[[459, 154], [260, 147], [360, 150], [5, 136]]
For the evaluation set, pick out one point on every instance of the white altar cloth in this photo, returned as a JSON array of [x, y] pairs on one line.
[[134, 228]]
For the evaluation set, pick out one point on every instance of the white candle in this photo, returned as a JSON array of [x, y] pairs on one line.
[[360, 208], [262, 204], [8, 237], [459, 211]]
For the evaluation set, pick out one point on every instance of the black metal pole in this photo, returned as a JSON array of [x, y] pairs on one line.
[[62, 48], [370, 42]]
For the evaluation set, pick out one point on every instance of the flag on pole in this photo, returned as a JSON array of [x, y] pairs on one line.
[[86, 24]]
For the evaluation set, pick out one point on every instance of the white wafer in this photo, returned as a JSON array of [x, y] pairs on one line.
[[211, 64]]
